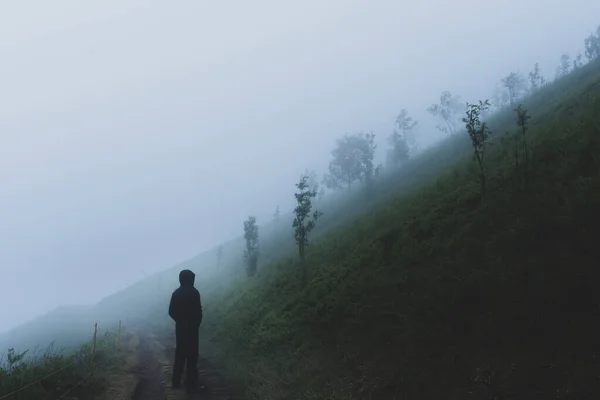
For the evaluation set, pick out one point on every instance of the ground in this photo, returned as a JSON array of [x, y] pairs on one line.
[[147, 373]]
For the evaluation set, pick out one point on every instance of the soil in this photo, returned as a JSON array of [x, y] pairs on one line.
[[151, 384], [212, 385]]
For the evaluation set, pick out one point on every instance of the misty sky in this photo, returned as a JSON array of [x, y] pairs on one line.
[[134, 134]]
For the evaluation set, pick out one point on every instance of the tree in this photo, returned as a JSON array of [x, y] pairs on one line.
[[501, 98], [219, 255], [522, 118], [399, 153], [536, 80], [448, 109], [564, 66], [592, 46], [577, 62], [367, 154], [478, 132], [352, 161], [313, 180], [402, 140], [251, 250], [408, 127], [304, 222], [515, 84]]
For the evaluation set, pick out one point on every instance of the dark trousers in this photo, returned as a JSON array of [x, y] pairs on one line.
[[186, 355]]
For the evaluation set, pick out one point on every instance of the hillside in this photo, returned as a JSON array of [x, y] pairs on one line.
[[430, 294], [419, 289], [51, 327]]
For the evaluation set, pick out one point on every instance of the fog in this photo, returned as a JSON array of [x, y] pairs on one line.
[[135, 134]]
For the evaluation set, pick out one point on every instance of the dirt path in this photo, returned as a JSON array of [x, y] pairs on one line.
[[152, 359], [213, 386], [150, 385]]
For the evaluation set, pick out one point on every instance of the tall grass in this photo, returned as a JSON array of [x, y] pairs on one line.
[[49, 373]]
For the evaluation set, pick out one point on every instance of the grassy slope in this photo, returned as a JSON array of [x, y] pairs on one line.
[[35, 375], [418, 291], [432, 295]]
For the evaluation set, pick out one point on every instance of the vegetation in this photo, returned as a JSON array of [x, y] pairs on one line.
[[352, 161], [578, 61], [312, 180], [251, 250], [536, 80], [425, 292], [522, 118], [515, 85], [479, 133], [402, 140], [592, 45], [304, 222], [52, 373], [565, 65], [448, 110]]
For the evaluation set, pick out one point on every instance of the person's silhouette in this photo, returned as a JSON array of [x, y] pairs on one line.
[[185, 309]]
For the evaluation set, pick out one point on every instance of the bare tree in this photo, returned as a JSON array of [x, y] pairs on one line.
[[515, 84], [448, 110]]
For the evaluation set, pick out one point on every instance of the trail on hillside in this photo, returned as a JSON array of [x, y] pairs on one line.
[[212, 385], [150, 385]]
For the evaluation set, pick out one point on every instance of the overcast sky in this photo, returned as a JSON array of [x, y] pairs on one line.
[[134, 134]]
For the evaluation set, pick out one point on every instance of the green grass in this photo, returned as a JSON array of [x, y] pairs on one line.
[[50, 373], [420, 291]]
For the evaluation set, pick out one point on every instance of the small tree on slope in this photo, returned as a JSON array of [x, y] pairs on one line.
[[352, 160], [402, 140], [565, 65], [478, 132], [536, 79], [522, 118], [251, 250], [448, 109], [592, 46], [304, 222], [515, 84]]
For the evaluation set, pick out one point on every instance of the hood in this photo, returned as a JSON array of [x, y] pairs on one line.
[[187, 277]]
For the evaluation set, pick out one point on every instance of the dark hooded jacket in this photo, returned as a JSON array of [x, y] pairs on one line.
[[185, 307]]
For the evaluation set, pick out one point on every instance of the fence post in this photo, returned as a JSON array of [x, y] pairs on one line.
[[94, 348]]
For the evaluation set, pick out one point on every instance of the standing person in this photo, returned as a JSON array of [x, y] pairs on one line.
[[185, 309]]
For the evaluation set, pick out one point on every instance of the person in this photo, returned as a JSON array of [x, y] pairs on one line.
[[185, 309]]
